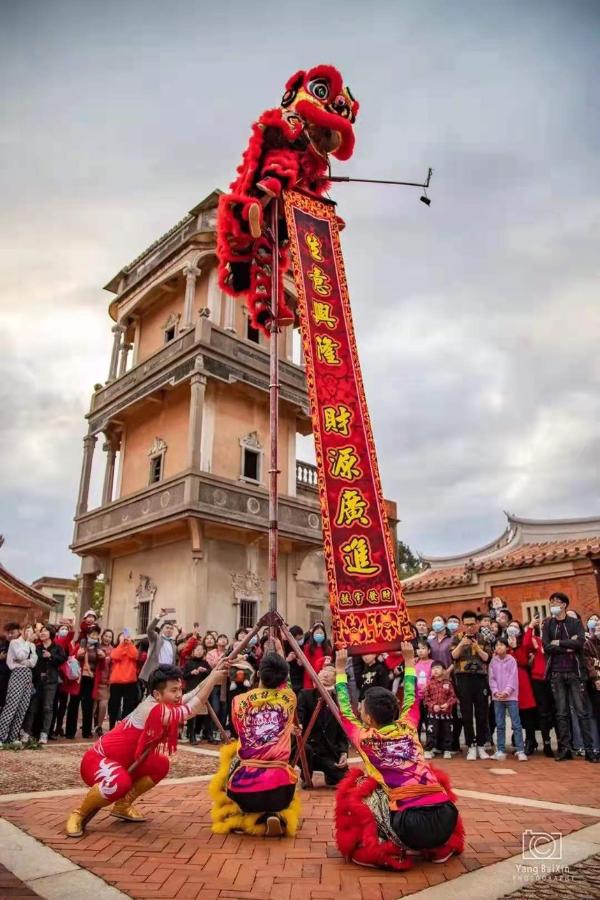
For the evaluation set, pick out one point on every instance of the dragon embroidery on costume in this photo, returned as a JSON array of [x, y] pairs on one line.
[[289, 148]]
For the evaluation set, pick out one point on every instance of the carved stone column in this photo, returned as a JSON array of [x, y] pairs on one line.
[[110, 448], [117, 331], [214, 297], [197, 392], [89, 442], [229, 323], [125, 348], [191, 274]]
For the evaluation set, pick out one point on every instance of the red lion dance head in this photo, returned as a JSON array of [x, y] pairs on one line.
[[289, 148]]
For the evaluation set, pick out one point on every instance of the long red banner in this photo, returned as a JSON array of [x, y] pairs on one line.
[[367, 605]]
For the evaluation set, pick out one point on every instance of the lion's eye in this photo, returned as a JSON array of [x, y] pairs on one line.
[[319, 88]]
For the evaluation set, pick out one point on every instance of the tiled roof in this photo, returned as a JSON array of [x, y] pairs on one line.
[[520, 557], [13, 587]]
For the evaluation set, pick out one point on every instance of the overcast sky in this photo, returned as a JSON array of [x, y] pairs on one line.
[[478, 319]]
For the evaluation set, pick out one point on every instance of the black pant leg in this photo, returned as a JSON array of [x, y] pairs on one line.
[[87, 705], [465, 696], [581, 707], [48, 706], [72, 715], [481, 693], [444, 742], [431, 732], [130, 698], [545, 706], [114, 704], [563, 716]]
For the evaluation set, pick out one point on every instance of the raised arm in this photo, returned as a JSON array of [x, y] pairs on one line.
[[351, 725], [410, 705]]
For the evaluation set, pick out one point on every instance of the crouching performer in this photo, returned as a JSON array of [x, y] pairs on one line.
[[126, 762], [402, 806], [253, 790]]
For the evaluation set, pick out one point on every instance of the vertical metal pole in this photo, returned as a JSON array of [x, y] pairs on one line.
[[274, 417]]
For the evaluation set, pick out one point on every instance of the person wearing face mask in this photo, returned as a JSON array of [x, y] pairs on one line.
[[318, 650], [440, 643], [327, 745], [452, 626], [532, 645], [527, 704], [563, 639]]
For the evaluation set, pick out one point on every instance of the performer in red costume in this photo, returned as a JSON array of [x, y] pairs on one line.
[[403, 806], [126, 762], [289, 148]]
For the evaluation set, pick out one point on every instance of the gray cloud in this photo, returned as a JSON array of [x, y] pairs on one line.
[[477, 318]]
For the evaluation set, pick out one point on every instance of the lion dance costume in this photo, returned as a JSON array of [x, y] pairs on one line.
[[289, 148], [138, 738], [370, 807], [255, 786]]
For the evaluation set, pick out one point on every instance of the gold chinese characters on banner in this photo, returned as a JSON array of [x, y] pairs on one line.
[[367, 605]]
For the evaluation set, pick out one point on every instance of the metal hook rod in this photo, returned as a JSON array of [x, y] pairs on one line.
[[346, 178]]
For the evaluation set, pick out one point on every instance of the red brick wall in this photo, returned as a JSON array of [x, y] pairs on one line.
[[582, 588]]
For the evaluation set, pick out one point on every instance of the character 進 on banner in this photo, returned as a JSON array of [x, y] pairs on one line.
[[289, 147]]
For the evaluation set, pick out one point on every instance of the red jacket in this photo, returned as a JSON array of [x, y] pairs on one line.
[[439, 692], [186, 650], [65, 686], [526, 695], [316, 657], [532, 644]]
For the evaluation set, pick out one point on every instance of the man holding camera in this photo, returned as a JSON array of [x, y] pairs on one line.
[[471, 653]]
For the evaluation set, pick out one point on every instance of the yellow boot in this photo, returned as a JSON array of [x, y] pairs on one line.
[[91, 804], [124, 809]]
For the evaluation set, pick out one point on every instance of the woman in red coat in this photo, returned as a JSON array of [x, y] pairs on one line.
[[66, 687], [318, 650], [527, 704], [532, 645]]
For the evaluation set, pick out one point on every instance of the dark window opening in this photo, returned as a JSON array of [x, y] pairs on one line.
[[156, 466], [253, 334], [143, 616], [169, 334], [247, 614], [60, 603], [251, 464]]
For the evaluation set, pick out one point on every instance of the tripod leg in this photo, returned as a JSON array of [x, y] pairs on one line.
[[301, 752], [217, 723]]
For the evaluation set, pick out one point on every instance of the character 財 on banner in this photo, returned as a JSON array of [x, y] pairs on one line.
[[289, 148]]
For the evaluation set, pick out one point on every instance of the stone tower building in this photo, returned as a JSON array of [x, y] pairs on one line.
[[183, 424]]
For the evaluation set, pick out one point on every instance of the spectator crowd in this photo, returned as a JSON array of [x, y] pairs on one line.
[[473, 672]]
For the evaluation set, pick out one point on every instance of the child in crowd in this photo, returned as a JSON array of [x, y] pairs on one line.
[[439, 700], [402, 806], [371, 672], [254, 788], [195, 671], [504, 687], [423, 671]]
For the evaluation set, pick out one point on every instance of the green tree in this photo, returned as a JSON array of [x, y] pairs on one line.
[[408, 563], [97, 599]]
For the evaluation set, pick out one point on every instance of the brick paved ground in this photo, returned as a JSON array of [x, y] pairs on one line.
[[57, 766], [12, 887], [174, 855]]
